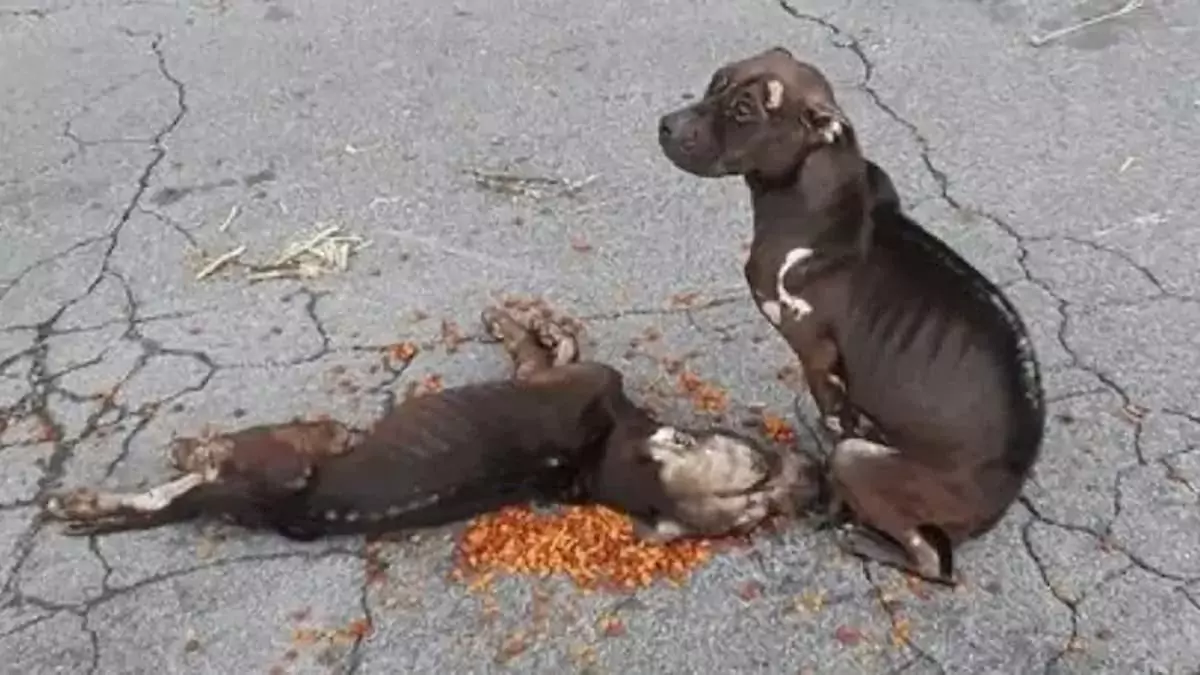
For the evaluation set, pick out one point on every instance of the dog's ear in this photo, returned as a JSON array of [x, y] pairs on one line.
[[825, 120]]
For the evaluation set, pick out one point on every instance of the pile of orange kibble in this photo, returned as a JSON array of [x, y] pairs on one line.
[[592, 545]]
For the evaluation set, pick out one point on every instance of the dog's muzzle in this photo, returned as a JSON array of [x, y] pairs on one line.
[[679, 137]]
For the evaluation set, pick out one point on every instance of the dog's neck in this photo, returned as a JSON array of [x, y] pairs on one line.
[[826, 199]]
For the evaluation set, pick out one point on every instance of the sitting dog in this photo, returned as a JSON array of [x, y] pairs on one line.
[[923, 371], [558, 429]]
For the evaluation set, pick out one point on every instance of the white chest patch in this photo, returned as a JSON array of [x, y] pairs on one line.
[[768, 307], [772, 311], [798, 305]]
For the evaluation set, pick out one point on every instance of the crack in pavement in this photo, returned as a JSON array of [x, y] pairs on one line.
[[41, 383], [355, 657], [33, 13], [895, 619], [82, 144], [109, 593], [1071, 602]]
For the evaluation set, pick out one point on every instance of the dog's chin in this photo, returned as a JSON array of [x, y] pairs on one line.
[[690, 164]]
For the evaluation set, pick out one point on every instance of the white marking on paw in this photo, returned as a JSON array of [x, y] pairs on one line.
[[332, 516], [798, 305], [394, 511], [159, 498]]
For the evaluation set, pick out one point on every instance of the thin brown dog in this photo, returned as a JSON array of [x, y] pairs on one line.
[[923, 371], [557, 430]]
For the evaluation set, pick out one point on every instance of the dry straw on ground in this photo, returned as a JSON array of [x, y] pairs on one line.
[[326, 252]]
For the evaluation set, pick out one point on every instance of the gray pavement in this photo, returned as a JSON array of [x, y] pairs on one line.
[[131, 131]]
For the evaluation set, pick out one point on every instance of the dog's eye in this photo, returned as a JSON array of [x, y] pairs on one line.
[[742, 110]]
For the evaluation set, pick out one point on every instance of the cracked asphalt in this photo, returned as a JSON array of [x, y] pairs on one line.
[[143, 139]]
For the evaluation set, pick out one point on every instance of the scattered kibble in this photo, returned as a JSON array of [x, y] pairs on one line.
[[580, 245], [684, 299], [901, 632], [777, 429], [705, 397], [1134, 412], [848, 635], [512, 647], [356, 629], [813, 601], [47, 432], [750, 590], [594, 546], [430, 384], [403, 352], [917, 586], [352, 632], [611, 626]]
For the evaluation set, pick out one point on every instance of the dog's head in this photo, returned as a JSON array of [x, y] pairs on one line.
[[762, 115], [711, 483]]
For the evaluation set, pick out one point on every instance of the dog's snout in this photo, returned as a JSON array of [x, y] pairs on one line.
[[673, 126], [666, 127]]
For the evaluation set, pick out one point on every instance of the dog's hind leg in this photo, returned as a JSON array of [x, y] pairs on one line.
[[867, 542], [890, 494]]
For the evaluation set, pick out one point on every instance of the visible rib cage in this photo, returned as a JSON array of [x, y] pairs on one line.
[[975, 298], [436, 458]]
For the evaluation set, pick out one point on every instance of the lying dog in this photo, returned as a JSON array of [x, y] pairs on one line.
[[558, 430], [923, 371]]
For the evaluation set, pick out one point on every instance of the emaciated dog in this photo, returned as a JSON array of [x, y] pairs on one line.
[[559, 429], [923, 371]]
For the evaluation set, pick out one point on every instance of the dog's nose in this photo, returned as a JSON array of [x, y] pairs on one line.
[[667, 126]]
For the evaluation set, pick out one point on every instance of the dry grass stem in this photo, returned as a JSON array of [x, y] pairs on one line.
[[219, 262]]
